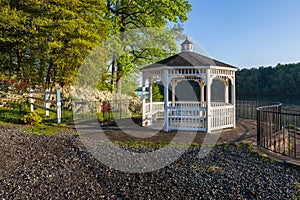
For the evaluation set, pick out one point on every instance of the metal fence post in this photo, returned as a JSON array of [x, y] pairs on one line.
[[258, 127]]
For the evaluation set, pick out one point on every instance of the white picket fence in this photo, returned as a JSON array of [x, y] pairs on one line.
[[46, 102]]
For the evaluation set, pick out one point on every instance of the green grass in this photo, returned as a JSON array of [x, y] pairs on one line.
[[146, 144], [264, 156], [4, 123], [296, 185], [208, 169], [44, 129], [154, 144], [12, 115], [292, 127]]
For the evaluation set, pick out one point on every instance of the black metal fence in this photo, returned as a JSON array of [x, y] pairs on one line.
[[278, 130], [104, 110], [246, 109]]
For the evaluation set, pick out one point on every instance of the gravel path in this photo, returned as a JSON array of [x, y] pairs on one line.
[[58, 167]]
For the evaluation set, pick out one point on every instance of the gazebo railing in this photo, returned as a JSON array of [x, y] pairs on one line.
[[187, 118], [218, 104], [222, 117], [193, 115], [188, 104]]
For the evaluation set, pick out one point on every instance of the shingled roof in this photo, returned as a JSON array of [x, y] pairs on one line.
[[187, 41], [187, 59]]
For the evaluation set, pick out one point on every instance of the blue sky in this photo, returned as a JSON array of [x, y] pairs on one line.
[[247, 33]]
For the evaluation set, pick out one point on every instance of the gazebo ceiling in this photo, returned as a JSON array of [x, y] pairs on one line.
[[187, 58]]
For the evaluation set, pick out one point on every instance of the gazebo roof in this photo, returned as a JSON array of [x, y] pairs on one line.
[[186, 59]]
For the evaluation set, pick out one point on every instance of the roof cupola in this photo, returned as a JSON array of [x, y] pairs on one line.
[[187, 46]]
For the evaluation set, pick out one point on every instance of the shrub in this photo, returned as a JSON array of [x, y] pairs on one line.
[[135, 105], [32, 118]]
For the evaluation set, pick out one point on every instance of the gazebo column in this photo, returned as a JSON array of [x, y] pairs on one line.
[[174, 83], [201, 84], [208, 101], [150, 99], [144, 101], [202, 93], [166, 100], [226, 84]]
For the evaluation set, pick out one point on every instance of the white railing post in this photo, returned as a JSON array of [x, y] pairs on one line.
[[47, 104], [31, 101], [209, 116], [166, 99], [150, 101], [58, 103], [144, 123]]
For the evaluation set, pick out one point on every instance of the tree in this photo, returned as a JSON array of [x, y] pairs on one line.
[[45, 42], [269, 82], [156, 95], [133, 14]]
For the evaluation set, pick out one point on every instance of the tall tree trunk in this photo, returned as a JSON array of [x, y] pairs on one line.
[[113, 75], [119, 79], [119, 84], [48, 77], [20, 70], [42, 75]]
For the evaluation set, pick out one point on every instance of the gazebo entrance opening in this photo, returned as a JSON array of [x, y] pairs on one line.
[[209, 107]]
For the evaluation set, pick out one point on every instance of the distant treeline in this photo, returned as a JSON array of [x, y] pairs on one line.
[[280, 82]]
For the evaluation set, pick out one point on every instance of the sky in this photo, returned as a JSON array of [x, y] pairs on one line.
[[247, 33]]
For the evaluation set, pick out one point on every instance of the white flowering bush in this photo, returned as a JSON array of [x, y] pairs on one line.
[[10, 91], [92, 100], [135, 105]]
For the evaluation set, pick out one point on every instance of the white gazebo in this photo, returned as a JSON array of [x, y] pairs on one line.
[[204, 113]]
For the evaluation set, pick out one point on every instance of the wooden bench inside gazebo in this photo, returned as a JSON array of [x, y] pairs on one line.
[[202, 113]]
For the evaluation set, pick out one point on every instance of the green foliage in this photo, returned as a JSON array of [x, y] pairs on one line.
[[156, 96], [281, 81], [132, 14], [44, 42], [131, 82], [32, 118]]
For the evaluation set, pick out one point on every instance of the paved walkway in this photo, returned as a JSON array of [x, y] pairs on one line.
[[126, 130], [245, 131]]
